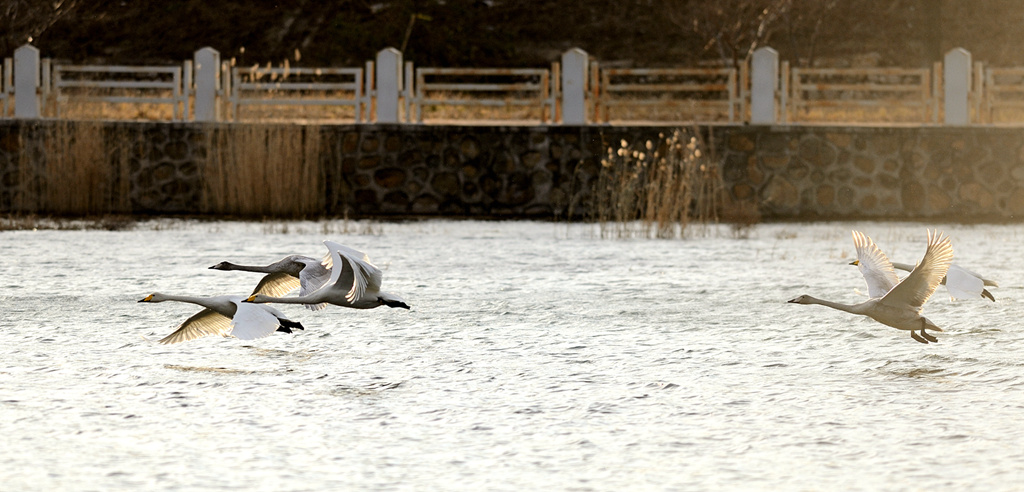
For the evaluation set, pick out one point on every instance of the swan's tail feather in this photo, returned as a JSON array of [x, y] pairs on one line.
[[931, 326]]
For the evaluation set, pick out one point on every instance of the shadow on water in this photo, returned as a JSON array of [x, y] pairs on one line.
[[372, 389], [277, 353], [220, 370]]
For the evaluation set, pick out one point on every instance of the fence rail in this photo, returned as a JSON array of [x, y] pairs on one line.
[[908, 92], [699, 94], [255, 86], [762, 90], [529, 88], [122, 84], [1003, 93]]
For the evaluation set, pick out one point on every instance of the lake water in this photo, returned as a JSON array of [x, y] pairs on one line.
[[536, 356]]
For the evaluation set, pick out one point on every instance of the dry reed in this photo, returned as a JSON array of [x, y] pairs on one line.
[[75, 168], [263, 170], [656, 189]]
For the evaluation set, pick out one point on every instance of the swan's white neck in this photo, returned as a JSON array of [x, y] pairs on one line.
[[850, 308]]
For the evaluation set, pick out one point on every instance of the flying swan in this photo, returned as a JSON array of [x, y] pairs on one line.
[[960, 282], [287, 274], [354, 283], [224, 316], [893, 302]]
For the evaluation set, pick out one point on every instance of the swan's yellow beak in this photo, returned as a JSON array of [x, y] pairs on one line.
[[147, 298], [855, 262], [250, 298]]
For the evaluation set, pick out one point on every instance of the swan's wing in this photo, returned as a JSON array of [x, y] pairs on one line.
[[327, 261], [985, 281], [352, 268], [874, 266], [204, 323], [962, 284], [276, 285], [252, 321], [917, 287], [314, 275]]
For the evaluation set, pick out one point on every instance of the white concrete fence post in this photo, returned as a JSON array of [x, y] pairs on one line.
[[956, 79], [389, 84], [574, 87], [26, 82], [207, 69], [764, 84]]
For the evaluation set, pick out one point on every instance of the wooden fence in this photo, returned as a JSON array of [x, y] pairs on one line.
[[681, 94], [507, 89], [871, 94], [576, 90]]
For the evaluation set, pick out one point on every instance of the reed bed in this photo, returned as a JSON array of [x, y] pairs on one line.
[[263, 170], [75, 168], [656, 189]]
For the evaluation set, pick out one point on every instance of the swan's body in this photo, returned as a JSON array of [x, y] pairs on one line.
[[354, 283], [893, 302], [960, 282], [287, 274], [225, 315]]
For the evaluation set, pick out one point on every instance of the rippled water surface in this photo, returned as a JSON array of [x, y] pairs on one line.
[[536, 357]]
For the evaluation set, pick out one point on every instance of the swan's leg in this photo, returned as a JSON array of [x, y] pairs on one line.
[[915, 337], [928, 337]]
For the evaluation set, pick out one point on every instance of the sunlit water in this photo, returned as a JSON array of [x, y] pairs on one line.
[[536, 357]]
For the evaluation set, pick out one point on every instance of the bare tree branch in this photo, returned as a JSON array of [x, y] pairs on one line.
[[21, 21]]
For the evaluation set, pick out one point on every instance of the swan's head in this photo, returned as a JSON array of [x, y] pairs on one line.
[[804, 299], [221, 266], [252, 298], [154, 297]]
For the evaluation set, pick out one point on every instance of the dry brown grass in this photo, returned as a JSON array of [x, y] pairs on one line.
[[89, 110], [656, 189], [80, 168], [859, 115], [464, 112], [263, 170]]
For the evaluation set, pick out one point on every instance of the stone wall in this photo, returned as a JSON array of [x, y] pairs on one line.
[[793, 172], [965, 173]]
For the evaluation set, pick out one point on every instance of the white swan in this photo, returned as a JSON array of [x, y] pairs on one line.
[[354, 283], [225, 315], [287, 274], [896, 303], [960, 282]]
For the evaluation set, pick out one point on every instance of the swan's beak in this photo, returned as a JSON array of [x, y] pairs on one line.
[[793, 300], [250, 298], [147, 298], [855, 262]]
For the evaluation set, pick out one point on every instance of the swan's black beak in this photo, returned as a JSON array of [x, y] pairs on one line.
[[219, 266]]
